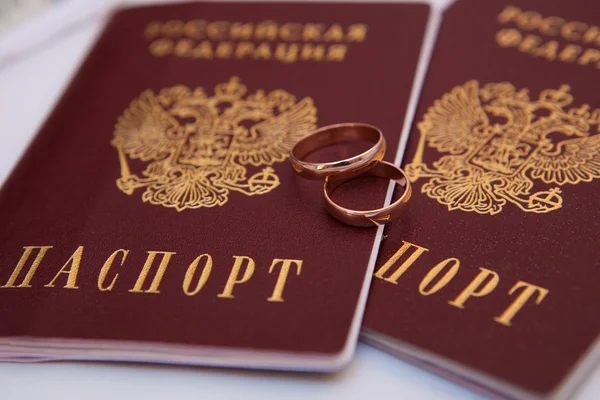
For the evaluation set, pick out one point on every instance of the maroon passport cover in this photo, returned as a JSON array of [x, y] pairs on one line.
[[492, 275], [157, 205]]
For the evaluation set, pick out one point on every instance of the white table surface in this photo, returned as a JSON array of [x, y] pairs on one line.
[[29, 87]]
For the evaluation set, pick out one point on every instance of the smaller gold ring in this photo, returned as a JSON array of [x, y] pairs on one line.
[[375, 217], [333, 134]]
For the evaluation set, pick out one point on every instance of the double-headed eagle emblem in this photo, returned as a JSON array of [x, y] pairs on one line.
[[499, 141], [196, 147]]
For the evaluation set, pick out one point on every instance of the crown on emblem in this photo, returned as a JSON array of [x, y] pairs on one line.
[[233, 88]]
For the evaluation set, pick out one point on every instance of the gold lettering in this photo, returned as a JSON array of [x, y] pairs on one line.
[[335, 33], [195, 29], [356, 33], [509, 14], [235, 270], [550, 26], [242, 31], [508, 37], [282, 278], [244, 49], [173, 28], [316, 53], [336, 52], [184, 47], [106, 267], [161, 47], [139, 284], [530, 42], [589, 56], [434, 272], [21, 264], [217, 30], [312, 32], [290, 32], [573, 30], [189, 275], [591, 35], [529, 20], [547, 50], [224, 50], [393, 278], [528, 291], [203, 50], [153, 29], [263, 51], [476, 289], [570, 53], [287, 53], [266, 30], [73, 262]]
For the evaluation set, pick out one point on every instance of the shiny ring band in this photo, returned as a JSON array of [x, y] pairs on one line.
[[333, 134], [375, 217]]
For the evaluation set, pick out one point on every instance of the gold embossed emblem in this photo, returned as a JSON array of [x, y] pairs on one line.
[[198, 147], [503, 146]]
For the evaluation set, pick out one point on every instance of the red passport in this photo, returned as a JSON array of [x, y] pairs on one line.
[[155, 217], [491, 276]]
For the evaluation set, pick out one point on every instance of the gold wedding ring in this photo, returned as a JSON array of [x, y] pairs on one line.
[[336, 173], [380, 216], [334, 134]]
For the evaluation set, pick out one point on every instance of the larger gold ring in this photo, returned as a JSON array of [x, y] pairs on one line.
[[333, 134], [375, 217]]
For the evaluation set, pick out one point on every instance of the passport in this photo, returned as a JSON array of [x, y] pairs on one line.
[[155, 216], [490, 278]]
